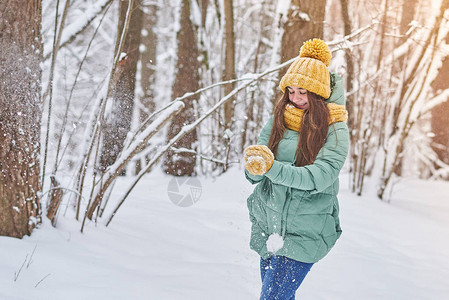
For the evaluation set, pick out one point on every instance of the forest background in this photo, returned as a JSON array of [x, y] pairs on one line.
[[94, 90]]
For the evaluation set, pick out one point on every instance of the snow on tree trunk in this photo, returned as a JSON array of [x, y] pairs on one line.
[[20, 117]]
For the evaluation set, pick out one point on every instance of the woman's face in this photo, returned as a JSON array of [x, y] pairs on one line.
[[298, 96]]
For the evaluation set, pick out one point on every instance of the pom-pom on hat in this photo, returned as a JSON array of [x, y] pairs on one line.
[[310, 71]]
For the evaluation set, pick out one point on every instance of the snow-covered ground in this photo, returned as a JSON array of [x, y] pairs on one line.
[[154, 249]]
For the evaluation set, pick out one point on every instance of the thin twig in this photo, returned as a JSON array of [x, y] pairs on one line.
[[50, 89], [31, 257], [16, 274], [42, 279], [185, 150]]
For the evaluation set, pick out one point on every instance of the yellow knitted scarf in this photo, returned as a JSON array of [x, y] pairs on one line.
[[293, 115]]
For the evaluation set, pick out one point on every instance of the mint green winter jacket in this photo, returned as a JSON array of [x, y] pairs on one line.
[[300, 203]]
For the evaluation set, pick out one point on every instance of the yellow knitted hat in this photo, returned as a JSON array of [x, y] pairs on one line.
[[310, 71]]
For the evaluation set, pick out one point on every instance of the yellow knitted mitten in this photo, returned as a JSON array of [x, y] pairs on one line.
[[258, 159]]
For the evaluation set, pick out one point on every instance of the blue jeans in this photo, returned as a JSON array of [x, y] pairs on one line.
[[281, 277]]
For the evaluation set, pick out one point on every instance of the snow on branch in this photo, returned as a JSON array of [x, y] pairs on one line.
[[435, 101], [82, 23], [145, 123], [139, 143], [353, 35]]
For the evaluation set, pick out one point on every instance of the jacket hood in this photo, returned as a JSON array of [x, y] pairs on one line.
[[337, 92]]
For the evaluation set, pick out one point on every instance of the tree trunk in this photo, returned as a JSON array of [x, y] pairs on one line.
[[204, 4], [408, 13], [148, 60], [148, 67], [349, 65], [407, 16], [20, 117], [305, 21], [408, 10], [186, 80], [118, 120], [354, 155], [440, 114], [229, 72]]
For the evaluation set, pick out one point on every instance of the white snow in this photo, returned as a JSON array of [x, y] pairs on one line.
[[274, 243], [304, 16], [282, 7], [154, 249]]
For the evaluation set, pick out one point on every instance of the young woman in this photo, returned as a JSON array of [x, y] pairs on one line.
[[296, 164]]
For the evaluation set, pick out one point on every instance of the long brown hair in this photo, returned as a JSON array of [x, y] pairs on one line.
[[314, 127]]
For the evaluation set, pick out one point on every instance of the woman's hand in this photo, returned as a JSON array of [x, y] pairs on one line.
[[258, 159]]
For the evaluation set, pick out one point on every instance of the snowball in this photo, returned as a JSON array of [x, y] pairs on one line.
[[274, 243]]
